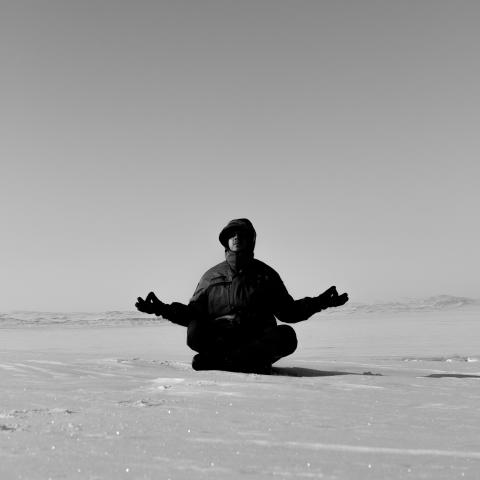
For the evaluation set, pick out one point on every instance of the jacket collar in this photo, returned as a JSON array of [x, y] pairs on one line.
[[238, 261]]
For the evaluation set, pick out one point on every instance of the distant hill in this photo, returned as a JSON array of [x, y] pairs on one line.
[[23, 318], [435, 303]]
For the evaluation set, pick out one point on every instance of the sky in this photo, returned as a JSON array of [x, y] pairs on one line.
[[132, 132]]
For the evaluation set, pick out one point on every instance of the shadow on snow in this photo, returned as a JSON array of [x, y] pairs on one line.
[[310, 372]]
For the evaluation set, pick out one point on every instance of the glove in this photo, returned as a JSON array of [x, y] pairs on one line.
[[330, 298], [151, 304]]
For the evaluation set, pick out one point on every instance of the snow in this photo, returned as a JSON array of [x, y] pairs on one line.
[[391, 395]]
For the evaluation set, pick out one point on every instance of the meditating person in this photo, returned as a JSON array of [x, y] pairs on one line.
[[232, 317]]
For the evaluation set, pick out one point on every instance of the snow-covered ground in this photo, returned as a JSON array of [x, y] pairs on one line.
[[371, 393]]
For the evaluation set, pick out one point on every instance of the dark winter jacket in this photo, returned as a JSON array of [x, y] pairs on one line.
[[242, 292]]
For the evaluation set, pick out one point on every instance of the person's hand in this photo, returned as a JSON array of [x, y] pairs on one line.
[[339, 300], [151, 304], [331, 298]]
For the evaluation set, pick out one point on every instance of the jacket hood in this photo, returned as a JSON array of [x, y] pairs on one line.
[[242, 224]]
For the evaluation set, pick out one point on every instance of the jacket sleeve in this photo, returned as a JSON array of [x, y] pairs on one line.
[[176, 312], [288, 310], [182, 314]]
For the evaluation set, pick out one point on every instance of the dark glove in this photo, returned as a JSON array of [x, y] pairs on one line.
[[151, 304], [331, 298]]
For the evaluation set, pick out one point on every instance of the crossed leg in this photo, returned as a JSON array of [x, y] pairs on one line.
[[229, 349]]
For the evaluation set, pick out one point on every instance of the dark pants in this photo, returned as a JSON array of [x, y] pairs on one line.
[[242, 347]]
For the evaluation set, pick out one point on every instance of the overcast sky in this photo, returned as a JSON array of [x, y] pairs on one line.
[[132, 131]]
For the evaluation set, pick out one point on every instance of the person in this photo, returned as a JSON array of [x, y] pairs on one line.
[[232, 317]]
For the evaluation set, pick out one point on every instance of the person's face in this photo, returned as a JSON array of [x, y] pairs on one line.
[[237, 242]]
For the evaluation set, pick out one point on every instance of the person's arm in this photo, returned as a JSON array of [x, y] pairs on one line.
[[288, 310], [175, 312]]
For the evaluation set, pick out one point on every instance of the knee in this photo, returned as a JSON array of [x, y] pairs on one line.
[[194, 337], [288, 339]]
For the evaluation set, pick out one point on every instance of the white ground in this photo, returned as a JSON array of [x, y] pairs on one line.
[[357, 400]]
